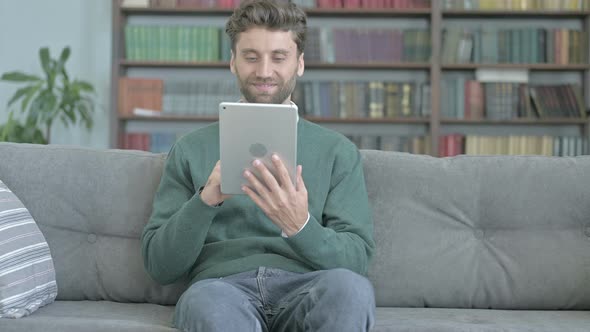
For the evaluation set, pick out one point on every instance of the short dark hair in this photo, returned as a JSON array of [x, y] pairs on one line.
[[272, 14]]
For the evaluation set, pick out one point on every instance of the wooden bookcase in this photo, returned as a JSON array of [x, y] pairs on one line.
[[434, 125]]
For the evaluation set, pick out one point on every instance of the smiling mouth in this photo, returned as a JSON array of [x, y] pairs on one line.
[[263, 86]]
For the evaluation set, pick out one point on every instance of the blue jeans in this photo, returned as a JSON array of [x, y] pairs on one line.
[[270, 299]]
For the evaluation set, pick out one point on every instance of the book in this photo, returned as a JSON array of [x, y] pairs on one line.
[[139, 93], [146, 112], [163, 3], [502, 75], [135, 3]]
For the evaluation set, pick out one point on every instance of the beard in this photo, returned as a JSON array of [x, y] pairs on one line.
[[284, 89]]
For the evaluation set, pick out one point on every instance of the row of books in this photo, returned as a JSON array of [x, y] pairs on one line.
[[199, 98], [472, 99], [153, 97], [410, 144], [328, 45], [562, 146], [449, 145], [517, 4], [366, 45], [343, 99], [374, 99], [400, 4], [460, 99], [528, 45], [176, 43], [162, 142], [187, 4]]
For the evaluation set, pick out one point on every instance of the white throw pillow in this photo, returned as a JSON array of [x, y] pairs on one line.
[[27, 275]]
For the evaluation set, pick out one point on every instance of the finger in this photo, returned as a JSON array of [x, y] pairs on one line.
[[255, 197], [257, 186], [216, 173], [300, 183], [267, 177], [283, 173]]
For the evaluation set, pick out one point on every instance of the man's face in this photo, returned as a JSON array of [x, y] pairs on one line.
[[266, 65]]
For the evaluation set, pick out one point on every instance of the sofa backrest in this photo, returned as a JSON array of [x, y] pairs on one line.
[[504, 232], [463, 232], [91, 205]]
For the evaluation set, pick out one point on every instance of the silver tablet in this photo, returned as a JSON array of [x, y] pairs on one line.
[[255, 131]]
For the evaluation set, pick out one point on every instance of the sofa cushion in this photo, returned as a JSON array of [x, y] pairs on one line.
[[478, 320], [27, 276], [91, 205], [502, 232], [95, 316]]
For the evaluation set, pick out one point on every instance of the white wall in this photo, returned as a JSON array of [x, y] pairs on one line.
[[85, 26]]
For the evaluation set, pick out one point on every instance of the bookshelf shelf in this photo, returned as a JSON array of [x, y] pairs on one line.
[[515, 13], [314, 119], [531, 66], [176, 11], [317, 12], [532, 122], [381, 65], [311, 65], [365, 12], [168, 118], [371, 120], [173, 64]]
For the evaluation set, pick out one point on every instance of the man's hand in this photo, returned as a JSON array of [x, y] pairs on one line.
[[282, 202], [211, 194]]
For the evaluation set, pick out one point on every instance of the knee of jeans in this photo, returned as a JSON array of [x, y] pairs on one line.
[[350, 285], [198, 298]]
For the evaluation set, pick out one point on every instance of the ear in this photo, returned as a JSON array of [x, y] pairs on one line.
[[232, 61], [300, 65]]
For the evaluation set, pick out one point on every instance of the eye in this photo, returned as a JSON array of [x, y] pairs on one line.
[[251, 59], [279, 59]]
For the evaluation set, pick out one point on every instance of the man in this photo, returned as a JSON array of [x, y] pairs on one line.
[[282, 257]]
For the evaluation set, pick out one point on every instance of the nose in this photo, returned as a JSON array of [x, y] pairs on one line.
[[264, 68]]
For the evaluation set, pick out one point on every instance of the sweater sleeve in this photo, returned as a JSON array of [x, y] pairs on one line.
[[344, 235], [178, 226]]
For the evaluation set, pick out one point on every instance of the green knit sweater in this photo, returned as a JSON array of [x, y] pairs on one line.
[[186, 236]]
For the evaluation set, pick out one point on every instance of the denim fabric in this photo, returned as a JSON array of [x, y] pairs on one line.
[[269, 299]]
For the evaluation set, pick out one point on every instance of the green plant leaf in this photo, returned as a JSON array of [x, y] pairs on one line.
[[65, 54], [49, 67], [19, 93], [14, 131], [69, 112], [40, 110], [47, 106], [64, 120], [83, 86], [17, 76], [85, 111], [30, 94], [34, 111], [61, 65], [45, 59], [3, 134], [7, 128]]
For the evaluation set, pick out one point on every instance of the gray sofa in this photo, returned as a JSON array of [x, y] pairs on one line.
[[463, 244]]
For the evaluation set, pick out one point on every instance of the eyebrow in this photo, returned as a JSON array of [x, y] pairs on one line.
[[278, 51]]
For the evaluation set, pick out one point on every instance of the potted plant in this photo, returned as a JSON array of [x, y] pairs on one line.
[[45, 99]]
